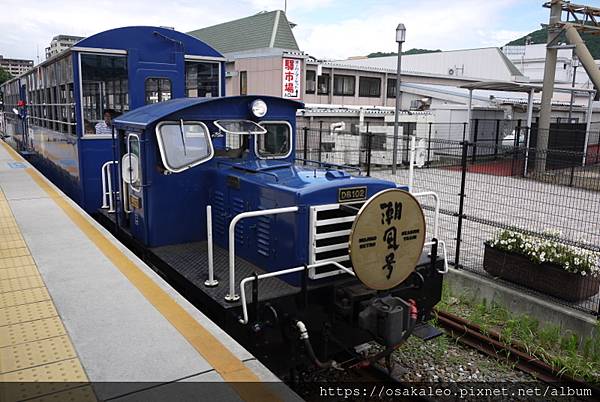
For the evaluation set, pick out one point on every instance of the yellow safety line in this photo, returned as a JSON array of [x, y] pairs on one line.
[[222, 360], [34, 344]]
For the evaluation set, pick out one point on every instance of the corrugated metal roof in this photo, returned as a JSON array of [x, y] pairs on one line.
[[253, 32]]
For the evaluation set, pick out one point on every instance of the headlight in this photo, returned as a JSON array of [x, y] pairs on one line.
[[259, 108]]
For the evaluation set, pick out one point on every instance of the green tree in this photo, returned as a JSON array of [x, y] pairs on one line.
[[411, 51], [4, 75]]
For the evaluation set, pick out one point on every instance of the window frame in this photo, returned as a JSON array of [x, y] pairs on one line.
[[245, 81], [212, 60], [315, 79], [290, 148], [161, 147], [217, 124], [343, 76], [158, 83], [366, 79], [98, 52], [328, 81], [391, 89]]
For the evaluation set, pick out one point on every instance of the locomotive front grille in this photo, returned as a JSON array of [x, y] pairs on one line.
[[329, 233]]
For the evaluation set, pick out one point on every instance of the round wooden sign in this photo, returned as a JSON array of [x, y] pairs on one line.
[[386, 240]]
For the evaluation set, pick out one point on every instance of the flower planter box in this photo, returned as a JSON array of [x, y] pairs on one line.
[[546, 278]]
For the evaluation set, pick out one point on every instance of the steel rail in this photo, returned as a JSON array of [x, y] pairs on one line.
[[490, 343]]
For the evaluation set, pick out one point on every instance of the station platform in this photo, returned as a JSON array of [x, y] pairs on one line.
[[83, 319]]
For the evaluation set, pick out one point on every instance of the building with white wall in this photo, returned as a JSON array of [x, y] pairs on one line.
[[531, 59], [482, 64], [61, 43], [15, 67]]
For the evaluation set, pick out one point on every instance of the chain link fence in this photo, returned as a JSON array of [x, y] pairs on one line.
[[488, 180]]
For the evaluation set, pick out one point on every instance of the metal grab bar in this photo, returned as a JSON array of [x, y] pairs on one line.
[[211, 281], [131, 185], [436, 219], [443, 245], [244, 281], [436, 216], [107, 191], [231, 296]]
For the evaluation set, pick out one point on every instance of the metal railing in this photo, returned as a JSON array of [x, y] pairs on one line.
[[108, 194], [489, 185], [232, 296], [244, 319]]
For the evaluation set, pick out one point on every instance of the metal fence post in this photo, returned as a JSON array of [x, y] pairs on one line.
[[464, 131], [497, 138], [320, 140], [429, 144], [305, 152], [369, 148], [461, 204], [515, 147], [475, 134], [572, 176]]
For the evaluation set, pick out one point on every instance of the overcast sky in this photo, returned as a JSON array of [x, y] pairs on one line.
[[326, 28]]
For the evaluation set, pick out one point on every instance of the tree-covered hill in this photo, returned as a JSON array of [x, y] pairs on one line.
[[411, 51]]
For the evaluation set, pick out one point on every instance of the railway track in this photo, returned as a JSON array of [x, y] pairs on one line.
[[490, 343]]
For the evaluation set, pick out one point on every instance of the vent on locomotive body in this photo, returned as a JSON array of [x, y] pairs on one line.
[[330, 227]]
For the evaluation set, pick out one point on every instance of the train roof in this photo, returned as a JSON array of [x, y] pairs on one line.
[[136, 37], [147, 115]]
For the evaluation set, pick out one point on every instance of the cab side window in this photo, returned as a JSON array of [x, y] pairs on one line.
[[276, 143]]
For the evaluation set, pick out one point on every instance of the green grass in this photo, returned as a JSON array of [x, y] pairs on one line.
[[561, 349]]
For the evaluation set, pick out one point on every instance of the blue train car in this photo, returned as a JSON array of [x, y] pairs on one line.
[[212, 194], [133, 125], [60, 104]]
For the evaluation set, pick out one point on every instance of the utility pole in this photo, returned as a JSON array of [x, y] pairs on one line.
[[554, 30], [400, 38]]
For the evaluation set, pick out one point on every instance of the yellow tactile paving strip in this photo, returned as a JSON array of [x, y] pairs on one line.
[[231, 369], [36, 354]]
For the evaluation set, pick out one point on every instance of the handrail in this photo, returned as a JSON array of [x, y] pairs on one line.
[[232, 296], [443, 245], [131, 185], [107, 193], [211, 281], [50, 104], [436, 216], [244, 281], [29, 117], [330, 164]]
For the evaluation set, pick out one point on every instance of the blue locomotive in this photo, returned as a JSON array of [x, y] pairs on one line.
[[208, 190]]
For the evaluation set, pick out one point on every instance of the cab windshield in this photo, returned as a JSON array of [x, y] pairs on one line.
[[183, 144]]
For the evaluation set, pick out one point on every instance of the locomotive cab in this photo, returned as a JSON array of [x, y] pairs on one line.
[[210, 191]]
